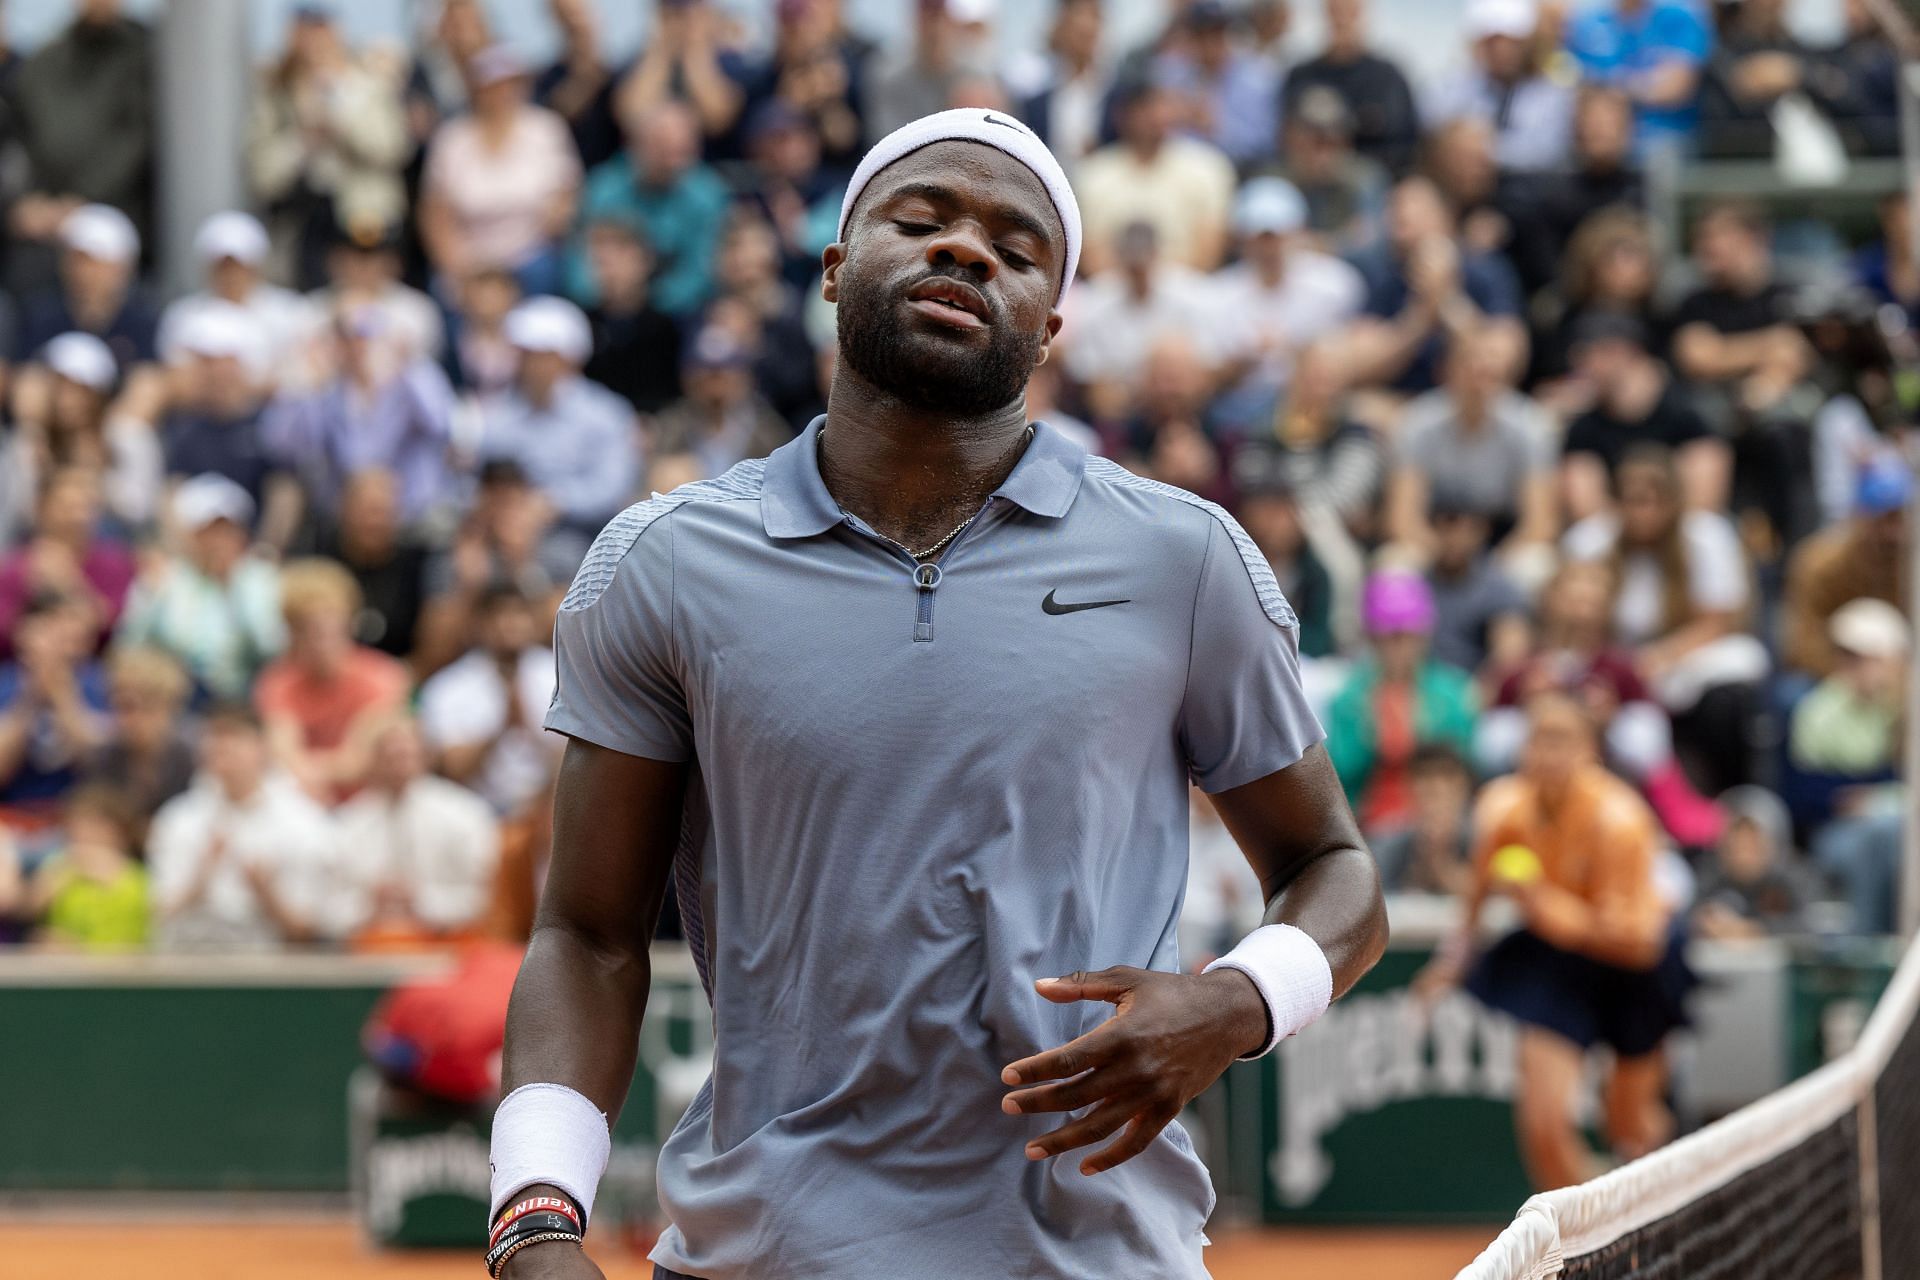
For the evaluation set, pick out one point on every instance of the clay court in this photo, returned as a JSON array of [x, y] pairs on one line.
[[323, 1250]]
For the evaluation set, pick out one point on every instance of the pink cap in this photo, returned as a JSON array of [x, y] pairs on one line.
[[1397, 600]]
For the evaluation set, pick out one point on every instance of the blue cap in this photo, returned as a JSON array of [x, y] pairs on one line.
[[1885, 485]]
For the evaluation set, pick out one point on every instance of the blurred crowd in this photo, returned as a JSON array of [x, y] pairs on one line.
[[280, 556]]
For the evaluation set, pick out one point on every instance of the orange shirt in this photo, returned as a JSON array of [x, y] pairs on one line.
[[326, 709], [1596, 894]]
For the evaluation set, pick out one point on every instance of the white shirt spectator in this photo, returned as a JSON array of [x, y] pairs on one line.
[[280, 830], [1109, 331], [1316, 295], [1716, 571], [282, 323], [1185, 192], [466, 704], [1532, 121], [437, 840]]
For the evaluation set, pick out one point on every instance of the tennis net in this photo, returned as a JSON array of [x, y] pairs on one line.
[[1818, 1181]]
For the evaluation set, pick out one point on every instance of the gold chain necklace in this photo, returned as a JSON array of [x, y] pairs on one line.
[[953, 533]]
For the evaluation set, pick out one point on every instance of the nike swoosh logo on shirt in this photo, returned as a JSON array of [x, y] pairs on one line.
[[1050, 605]]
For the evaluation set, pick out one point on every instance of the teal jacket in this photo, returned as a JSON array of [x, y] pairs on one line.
[[1444, 708]]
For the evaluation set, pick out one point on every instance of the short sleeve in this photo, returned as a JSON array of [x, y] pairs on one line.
[[618, 683], [1246, 714], [1716, 566]]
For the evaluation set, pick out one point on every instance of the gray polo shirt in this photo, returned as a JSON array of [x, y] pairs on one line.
[[914, 792]]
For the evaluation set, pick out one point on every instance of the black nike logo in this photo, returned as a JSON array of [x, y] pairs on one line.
[[1050, 605], [991, 118]]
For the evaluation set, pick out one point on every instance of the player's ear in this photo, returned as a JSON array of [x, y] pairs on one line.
[[830, 259], [1047, 336]]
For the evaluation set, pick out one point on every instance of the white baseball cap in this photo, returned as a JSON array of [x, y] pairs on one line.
[[233, 235], [1871, 628], [1269, 205], [495, 63], [972, 12], [101, 231], [82, 358], [217, 329], [1517, 19], [550, 324], [206, 498]]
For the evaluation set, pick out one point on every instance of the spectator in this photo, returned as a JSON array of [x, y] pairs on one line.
[[417, 852], [636, 346], [685, 60], [1857, 83], [481, 716], [682, 203], [1386, 126], [578, 86], [765, 314], [215, 608], [507, 539], [1116, 318], [1545, 208], [1654, 51], [1888, 267], [1181, 187], [363, 270], [1850, 724], [1634, 402], [480, 361], [389, 568], [1425, 289], [321, 700], [501, 184], [1228, 92], [233, 248], [1595, 958], [240, 861], [84, 108], [146, 755], [1397, 699], [1479, 614], [97, 293], [818, 68], [1862, 557], [1270, 513], [67, 423], [721, 419], [1753, 885], [1433, 852], [1756, 61], [1333, 462], [326, 142], [455, 33], [1458, 156], [1346, 193], [949, 45], [1734, 328], [1064, 107], [574, 438], [1282, 294], [1609, 269], [381, 410], [1474, 446], [1865, 419], [1504, 87], [92, 891], [65, 554], [53, 699], [1164, 434], [1683, 600], [216, 424], [787, 186]]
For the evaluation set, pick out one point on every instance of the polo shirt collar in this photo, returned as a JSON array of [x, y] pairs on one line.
[[794, 502]]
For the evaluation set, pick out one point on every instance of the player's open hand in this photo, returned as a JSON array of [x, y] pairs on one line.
[[551, 1260], [1172, 1035]]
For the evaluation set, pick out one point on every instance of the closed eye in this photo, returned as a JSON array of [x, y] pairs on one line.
[[1016, 261], [915, 228]]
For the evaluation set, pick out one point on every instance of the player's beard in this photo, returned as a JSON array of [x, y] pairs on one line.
[[922, 370]]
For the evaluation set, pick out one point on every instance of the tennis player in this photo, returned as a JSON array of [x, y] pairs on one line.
[[1595, 960], [908, 711]]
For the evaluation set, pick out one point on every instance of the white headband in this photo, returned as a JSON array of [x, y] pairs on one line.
[[989, 128]]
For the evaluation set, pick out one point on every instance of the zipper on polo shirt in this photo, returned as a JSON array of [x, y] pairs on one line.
[[926, 581]]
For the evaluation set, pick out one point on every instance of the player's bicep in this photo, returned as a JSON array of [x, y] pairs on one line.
[[616, 828]]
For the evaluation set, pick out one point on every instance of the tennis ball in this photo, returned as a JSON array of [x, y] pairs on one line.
[[1516, 864]]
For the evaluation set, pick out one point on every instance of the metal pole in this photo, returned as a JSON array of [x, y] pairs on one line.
[[205, 72]]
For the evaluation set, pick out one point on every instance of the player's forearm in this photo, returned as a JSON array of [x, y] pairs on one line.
[[1336, 901], [575, 1015]]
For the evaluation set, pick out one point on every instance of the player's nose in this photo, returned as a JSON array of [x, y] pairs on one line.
[[965, 243]]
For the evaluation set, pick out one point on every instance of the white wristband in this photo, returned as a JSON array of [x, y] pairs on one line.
[[548, 1133], [1290, 972]]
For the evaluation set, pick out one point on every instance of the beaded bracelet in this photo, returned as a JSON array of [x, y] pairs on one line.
[[497, 1260]]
